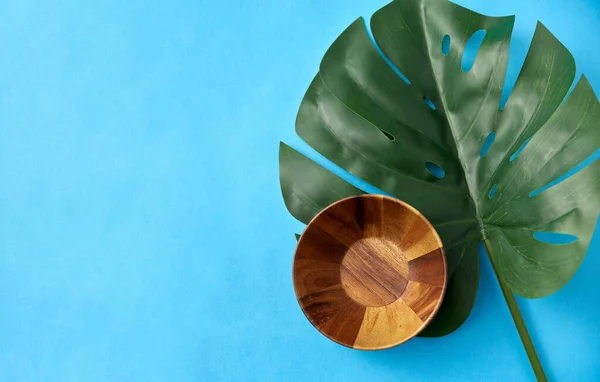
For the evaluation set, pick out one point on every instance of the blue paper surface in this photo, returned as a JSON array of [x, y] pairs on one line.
[[143, 236]]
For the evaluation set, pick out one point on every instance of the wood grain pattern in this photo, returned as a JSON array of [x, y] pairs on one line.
[[369, 272], [387, 326], [426, 269], [374, 271], [422, 298]]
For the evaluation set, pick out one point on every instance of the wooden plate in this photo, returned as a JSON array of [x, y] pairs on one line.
[[369, 272]]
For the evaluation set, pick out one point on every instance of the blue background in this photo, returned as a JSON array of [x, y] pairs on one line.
[[143, 236]]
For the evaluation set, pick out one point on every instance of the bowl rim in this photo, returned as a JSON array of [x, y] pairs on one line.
[[444, 261]]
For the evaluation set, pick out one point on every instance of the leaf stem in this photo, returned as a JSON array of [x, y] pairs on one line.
[[519, 323]]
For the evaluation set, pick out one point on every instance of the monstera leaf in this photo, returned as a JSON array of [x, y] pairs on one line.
[[434, 136]]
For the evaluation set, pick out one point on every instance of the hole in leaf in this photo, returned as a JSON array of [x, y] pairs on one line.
[[493, 191], [573, 85], [471, 49], [446, 44], [516, 154], [487, 144], [579, 167], [388, 135], [435, 170], [516, 58], [387, 60], [555, 238], [314, 156], [429, 103]]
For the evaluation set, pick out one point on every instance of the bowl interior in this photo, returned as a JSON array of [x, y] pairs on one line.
[[369, 272]]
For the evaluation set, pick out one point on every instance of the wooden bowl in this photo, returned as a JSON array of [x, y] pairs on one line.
[[369, 272]]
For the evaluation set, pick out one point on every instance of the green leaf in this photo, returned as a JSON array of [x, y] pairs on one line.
[[360, 114], [307, 187]]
